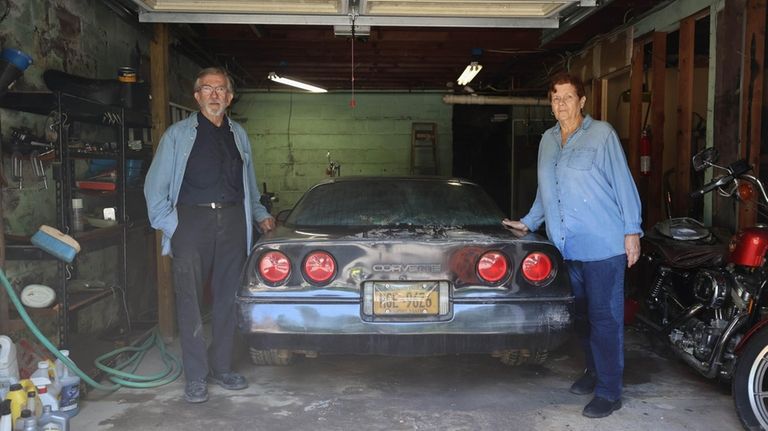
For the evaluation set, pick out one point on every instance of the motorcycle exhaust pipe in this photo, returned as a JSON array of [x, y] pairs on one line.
[[710, 370]]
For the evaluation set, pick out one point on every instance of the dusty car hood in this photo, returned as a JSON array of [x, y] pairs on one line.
[[427, 233]]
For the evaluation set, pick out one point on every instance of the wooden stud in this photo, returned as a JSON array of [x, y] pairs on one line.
[[658, 72], [684, 113], [635, 108], [725, 128], [753, 73], [158, 52]]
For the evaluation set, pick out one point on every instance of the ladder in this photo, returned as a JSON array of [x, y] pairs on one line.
[[424, 149]]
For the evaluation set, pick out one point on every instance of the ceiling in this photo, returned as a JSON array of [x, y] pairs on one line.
[[398, 45]]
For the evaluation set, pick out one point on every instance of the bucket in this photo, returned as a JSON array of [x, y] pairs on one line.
[[9, 365], [17, 58], [133, 171]]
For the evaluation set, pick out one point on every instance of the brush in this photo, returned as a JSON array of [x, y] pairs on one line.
[[53, 241]]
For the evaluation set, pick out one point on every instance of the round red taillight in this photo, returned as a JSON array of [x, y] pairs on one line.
[[537, 267], [319, 267], [492, 266], [274, 266]]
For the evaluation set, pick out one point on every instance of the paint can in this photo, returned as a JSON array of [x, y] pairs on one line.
[[126, 74]]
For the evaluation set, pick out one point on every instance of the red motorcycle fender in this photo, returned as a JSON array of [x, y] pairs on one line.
[[743, 342]]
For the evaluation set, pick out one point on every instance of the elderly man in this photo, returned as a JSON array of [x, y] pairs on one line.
[[202, 193]]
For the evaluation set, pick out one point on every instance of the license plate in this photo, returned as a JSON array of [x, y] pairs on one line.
[[400, 299]]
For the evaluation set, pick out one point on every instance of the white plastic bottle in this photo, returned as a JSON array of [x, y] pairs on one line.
[[26, 418], [9, 365], [52, 421], [69, 397], [33, 404], [6, 423]]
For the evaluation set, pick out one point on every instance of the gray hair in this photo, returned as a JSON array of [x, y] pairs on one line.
[[215, 71]]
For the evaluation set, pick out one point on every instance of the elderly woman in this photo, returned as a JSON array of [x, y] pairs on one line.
[[589, 202]]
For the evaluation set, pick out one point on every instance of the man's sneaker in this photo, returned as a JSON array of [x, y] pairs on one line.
[[196, 391], [600, 408], [230, 380], [585, 384]]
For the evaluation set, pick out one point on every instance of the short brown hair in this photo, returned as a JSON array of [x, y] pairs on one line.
[[215, 71], [566, 78]]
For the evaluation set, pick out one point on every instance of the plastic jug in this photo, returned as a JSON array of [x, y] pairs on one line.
[[69, 397], [52, 420], [9, 365], [47, 399]]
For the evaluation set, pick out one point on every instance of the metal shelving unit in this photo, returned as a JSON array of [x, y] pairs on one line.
[[78, 109]]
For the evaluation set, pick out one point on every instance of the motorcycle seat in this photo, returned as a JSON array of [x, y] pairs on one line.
[[688, 254]]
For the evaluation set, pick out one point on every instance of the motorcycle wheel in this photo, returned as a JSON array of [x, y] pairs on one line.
[[750, 382]]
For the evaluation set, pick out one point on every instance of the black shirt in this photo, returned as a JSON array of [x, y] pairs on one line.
[[214, 169]]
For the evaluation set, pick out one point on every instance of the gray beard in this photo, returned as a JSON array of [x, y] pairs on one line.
[[214, 112]]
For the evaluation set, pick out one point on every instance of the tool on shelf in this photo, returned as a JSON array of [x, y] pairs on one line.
[[37, 168], [17, 172]]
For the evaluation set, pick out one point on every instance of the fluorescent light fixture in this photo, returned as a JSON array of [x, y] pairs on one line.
[[469, 73], [298, 84]]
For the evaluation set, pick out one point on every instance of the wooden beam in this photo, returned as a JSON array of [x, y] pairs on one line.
[[158, 54], [655, 200], [684, 113], [597, 99], [635, 107], [753, 73], [725, 128]]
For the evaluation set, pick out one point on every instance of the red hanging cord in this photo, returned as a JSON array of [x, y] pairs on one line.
[[353, 102]]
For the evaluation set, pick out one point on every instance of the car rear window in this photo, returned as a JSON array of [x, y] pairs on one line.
[[395, 203]]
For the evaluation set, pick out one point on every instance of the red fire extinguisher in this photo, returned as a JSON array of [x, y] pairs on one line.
[[645, 152]]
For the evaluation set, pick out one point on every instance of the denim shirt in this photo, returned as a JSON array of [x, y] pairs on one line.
[[586, 194], [165, 175]]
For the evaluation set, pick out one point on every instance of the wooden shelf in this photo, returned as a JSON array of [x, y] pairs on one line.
[[86, 297]]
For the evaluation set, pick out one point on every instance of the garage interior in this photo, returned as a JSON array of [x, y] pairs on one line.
[[690, 74]]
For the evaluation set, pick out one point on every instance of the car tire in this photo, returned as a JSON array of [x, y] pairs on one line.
[[523, 356], [271, 356]]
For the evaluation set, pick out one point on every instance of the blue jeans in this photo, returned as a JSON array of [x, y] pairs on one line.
[[598, 288]]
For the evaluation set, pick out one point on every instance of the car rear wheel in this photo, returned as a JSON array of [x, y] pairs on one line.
[[522, 356], [271, 356]]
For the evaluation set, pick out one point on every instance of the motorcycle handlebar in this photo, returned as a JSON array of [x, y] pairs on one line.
[[718, 182]]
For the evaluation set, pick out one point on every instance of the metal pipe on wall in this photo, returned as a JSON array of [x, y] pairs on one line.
[[460, 99]]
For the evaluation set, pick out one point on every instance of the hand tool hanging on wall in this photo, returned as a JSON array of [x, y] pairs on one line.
[[37, 168], [23, 145], [17, 174]]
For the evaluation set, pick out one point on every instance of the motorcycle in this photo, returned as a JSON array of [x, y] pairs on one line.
[[707, 292]]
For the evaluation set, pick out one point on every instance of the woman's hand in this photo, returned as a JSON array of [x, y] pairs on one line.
[[515, 224], [632, 248]]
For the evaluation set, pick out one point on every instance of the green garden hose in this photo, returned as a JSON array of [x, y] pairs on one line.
[[116, 375]]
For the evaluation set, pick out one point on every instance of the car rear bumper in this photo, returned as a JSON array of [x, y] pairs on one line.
[[471, 328]]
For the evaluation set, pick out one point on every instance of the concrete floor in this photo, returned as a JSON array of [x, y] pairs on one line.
[[447, 393]]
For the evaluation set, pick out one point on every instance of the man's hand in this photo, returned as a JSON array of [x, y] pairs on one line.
[[632, 248], [267, 224], [515, 224]]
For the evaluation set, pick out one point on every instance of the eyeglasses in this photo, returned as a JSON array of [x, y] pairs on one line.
[[207, 90], [568, 98]]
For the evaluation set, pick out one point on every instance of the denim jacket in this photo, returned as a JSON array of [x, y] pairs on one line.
[[586, 194], [163, 181]]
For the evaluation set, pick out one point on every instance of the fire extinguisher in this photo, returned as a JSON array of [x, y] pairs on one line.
[[645, 152]]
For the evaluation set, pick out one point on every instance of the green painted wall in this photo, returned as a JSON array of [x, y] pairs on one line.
[[291, 133]]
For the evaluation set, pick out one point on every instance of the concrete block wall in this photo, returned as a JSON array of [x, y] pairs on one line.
[[85, 38], [291, 134]]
